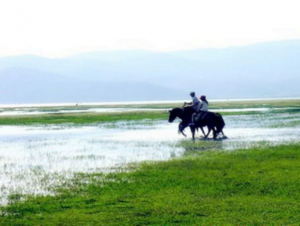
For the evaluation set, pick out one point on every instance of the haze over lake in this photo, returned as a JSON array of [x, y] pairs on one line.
[[259, 70]]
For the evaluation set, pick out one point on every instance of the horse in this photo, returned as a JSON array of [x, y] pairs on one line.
[[184, 116], [213, 121]]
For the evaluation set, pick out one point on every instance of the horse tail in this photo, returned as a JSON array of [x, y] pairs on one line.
[[219, 122]]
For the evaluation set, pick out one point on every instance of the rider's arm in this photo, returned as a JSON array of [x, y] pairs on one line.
[[188, 104]]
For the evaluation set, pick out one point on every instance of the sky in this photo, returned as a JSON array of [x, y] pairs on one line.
[[60, 28]]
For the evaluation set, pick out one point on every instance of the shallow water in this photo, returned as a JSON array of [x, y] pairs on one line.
[[29, 111], [35, 159]]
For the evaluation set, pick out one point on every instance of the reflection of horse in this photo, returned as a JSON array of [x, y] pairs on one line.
[[213, 121]]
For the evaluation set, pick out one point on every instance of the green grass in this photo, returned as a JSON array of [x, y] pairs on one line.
[[259, 186], [276, 106], [291, 124], [81, 118], [275, 103]]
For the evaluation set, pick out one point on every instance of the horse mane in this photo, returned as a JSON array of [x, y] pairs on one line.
[[187, 113], [188, 110], [184, 111]]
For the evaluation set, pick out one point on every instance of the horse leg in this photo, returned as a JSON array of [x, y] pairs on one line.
[[224, 136], [209, 129], [193, 131], [181, 128], [202, 131], [218, 131], [215, 134]]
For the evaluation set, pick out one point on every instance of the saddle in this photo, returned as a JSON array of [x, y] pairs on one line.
[[200, 116]]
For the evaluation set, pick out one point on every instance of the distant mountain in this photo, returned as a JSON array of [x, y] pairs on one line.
[[260, 70], [22, 85]]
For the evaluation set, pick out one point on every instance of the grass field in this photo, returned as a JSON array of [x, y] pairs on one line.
[[245, 187], [80, 118], [206, 186], [278, 106]]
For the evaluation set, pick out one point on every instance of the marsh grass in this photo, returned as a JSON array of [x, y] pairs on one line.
[[276, 103], [80, 118], [276, 106], [245, 187], [88, 118], [289, 124]]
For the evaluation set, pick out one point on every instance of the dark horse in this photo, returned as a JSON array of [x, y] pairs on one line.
[[213, 121]]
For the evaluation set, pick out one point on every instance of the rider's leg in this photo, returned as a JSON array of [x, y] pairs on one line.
[[193, 119]]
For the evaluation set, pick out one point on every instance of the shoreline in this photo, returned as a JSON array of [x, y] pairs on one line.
[[137, 102]]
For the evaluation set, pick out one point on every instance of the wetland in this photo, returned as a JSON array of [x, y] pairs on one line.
[[43, 149]]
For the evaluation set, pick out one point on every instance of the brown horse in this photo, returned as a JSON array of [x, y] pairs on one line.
[[213, 121]]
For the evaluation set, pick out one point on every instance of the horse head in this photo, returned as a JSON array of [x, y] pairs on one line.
[[174, 113]]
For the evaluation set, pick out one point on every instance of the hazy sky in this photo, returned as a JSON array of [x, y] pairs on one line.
[[57, 28]]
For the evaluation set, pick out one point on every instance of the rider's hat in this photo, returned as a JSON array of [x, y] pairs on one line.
[[203, 97], [192, 93]]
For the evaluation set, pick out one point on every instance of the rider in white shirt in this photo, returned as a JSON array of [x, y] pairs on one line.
[[195, 102]]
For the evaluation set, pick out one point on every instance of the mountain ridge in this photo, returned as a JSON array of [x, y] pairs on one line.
[[258, 70]]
